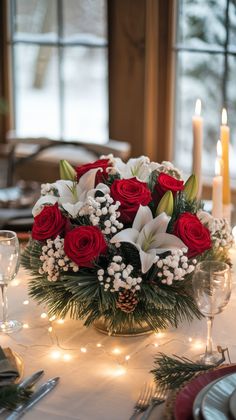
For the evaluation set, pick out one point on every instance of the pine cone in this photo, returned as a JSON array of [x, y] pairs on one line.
[[127, 301]]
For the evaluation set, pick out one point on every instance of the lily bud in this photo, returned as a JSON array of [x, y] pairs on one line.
[[191, 188], [166, 204], [67, 171]]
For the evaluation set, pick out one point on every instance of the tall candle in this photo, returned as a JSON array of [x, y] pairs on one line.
[[224, 136], [217, 190], [197, 124]]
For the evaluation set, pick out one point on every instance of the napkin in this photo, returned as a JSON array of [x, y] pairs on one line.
[[8, 368]]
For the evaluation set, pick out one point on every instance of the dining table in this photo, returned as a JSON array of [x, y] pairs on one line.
[[100, 375]]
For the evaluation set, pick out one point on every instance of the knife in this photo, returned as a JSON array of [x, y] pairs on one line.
[[36, 396], [28, 382], [31, 380]]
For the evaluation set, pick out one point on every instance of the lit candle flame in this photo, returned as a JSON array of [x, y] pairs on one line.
[[198, 107], [224, 116], [219, 149], [217, 167]]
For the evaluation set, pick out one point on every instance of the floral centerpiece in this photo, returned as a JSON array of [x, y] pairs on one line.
[[119, 242]]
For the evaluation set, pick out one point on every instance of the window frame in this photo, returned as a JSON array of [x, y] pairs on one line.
[[60, 43]]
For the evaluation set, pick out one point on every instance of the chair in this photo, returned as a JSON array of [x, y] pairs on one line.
[[27, 162]]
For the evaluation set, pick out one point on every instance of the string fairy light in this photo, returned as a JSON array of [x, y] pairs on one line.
[[59, 353]]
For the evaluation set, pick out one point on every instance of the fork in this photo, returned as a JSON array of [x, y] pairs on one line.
[[158, 398], [143, 400]]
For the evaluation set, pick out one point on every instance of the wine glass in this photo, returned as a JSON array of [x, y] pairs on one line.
[[9, 265], [212, 289]]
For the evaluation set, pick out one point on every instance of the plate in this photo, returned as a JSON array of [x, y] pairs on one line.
[[198, 400], [232, 405], [215, 404], [185, 398]]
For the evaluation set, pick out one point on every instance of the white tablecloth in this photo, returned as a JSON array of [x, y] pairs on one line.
[[96, 383]]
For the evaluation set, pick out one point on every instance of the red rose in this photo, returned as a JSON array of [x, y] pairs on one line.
[[49, 223], [83, 244], [130, 193], [165, 183], [101, 174], [193, 233]]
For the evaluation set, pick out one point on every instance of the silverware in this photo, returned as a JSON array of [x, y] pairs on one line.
[[143, 400], [28, 383], [36, 396], [158, 398], [31, 380]]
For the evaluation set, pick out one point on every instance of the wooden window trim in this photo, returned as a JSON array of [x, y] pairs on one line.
[[141, 64]]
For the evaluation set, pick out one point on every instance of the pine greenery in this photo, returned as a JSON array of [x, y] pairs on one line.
[[81, 296], [172, 372]]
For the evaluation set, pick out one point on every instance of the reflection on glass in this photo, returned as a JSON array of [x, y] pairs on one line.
[[9, 265], [36, 17], [199, 76], [202, 23], [212, 289], [85, 17], [37, 91], [85, 74]]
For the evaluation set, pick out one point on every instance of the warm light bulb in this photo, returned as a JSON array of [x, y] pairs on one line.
[[60, 321], [127, 357], [43, 315], [26, 302], [52, 318], [219, 149], [83, 350], [49, 329], [99, 345], [119, 371], [67, 357], [190, 339], [156, 345], [116, 351], [55, 354], [25, 326], [198, 107], [224, 116]]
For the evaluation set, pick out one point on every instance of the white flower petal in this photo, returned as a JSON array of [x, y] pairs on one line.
[[64, 190], [143, 216], [43, 201], [152, 230], [166, 241], [73, 209], [127, 235], [147, 259], [87, 181], [100, 187]]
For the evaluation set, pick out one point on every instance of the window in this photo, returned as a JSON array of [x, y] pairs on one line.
[[206, 69], [59, 68]]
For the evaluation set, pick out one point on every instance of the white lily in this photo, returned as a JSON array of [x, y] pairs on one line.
[[70, 195], [139, 168], [149, 236]]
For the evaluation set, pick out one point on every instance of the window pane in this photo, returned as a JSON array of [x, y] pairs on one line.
[[36, 91], [201, 23], [232, 21], [86, 108], [36, 17], [85, 17], [199, 75]]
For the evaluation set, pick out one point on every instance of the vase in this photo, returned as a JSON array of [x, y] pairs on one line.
[[126, 330]]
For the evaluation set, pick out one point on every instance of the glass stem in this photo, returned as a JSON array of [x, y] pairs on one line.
[[4, 303], [209, 334]]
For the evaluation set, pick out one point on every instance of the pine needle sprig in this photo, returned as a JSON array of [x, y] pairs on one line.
[[172, 372]]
